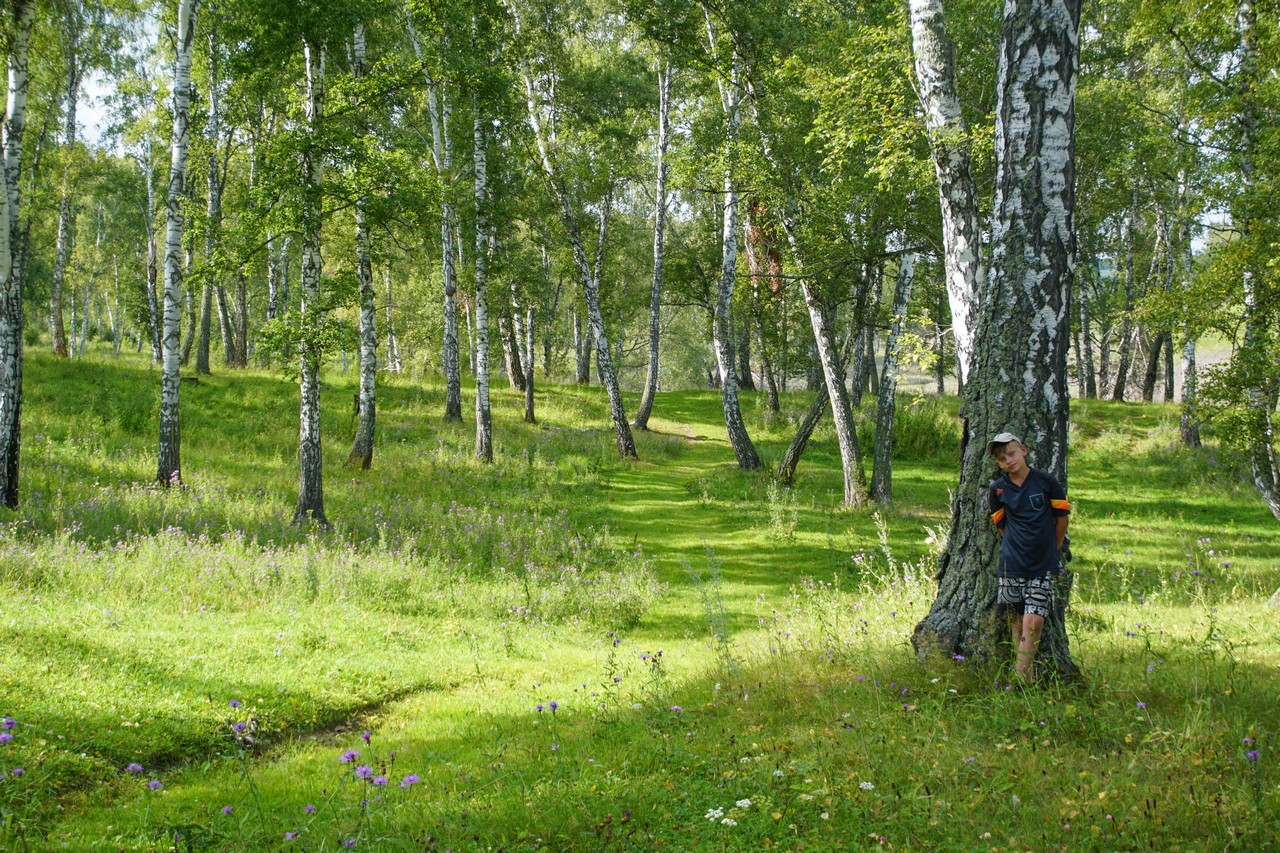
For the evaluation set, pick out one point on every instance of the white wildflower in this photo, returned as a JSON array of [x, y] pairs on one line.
[[866, 786], [714, 814], [743, 804], [729, 822]]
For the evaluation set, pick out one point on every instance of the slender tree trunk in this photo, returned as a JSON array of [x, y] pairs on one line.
[[393, 347], [169, 468], [484, 424], [440, 111], [864, 354], [957, 192], [882, 471], [582, 350], [529, 416], [310, 349], [641, 421], [362, 447], [1161, 345], [72, 23], [225, 324], [1086, 338], [1018, 377], [1126, 329], [240, 330], [116, 318], [791, 458], [153, 262], [722, 331]]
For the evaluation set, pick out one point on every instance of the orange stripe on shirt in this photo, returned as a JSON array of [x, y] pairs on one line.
[[1060, 505], [997, 516]]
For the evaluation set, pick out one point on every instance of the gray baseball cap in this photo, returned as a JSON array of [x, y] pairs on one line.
[[1001, 439]]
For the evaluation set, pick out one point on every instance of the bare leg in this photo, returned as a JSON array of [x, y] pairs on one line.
[[1027, 644]]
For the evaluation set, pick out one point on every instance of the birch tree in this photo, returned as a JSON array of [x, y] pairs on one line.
[[15, 118], [311, 317], [659, 230], [169, 469], [1018, 378], [730, 89], [362, 446], [886, 402], [935, 67], [440, 112]]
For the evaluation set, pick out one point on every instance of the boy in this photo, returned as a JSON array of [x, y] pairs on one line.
[[1030, 511]]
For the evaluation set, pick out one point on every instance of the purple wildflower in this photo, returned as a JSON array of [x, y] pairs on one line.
[[240, 727], [538, 708], [290, 836], [350, 842], [676, 709], [1253, 755], [410, 780], [553, 704], [367, 735], [5, 737], [155, 784], [8, 723], [17, 771], [1246, 741], [235, 703], [349, 756], [364, 771], [380, 780], [969, 760], [1142, 704], [135, 768], [310, 809], [226, 810]]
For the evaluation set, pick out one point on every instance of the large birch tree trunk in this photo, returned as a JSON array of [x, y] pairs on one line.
[[310, 457], [11, 309], [935, 66], [362, 446], [659, 232], [886, 403], [1018, 379], [169, 468]]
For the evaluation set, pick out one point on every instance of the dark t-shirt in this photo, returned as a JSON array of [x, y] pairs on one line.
[[1027, 514]]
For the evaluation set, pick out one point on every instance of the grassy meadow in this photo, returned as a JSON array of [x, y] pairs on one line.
[[562, 651]]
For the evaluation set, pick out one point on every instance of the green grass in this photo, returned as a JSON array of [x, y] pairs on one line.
[[707, 637]]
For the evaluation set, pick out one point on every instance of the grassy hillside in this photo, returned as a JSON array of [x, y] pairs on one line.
[[562, 651]]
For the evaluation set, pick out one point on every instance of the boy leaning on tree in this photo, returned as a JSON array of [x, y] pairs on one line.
[[1030, 512]]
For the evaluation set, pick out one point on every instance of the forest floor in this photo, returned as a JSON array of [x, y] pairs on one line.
[[564, 651]]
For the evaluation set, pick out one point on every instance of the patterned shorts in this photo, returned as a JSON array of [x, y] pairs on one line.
[[1026, 595]]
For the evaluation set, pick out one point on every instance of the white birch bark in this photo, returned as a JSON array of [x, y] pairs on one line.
[[935, 67], [362, 446], [153, 262], [832, 365], [721, 329], [310, 457], [393, 347], [440, 111], [1018, 378], [659, 228], [484, 423], [886, 402], [169, 469], [589, 277]]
